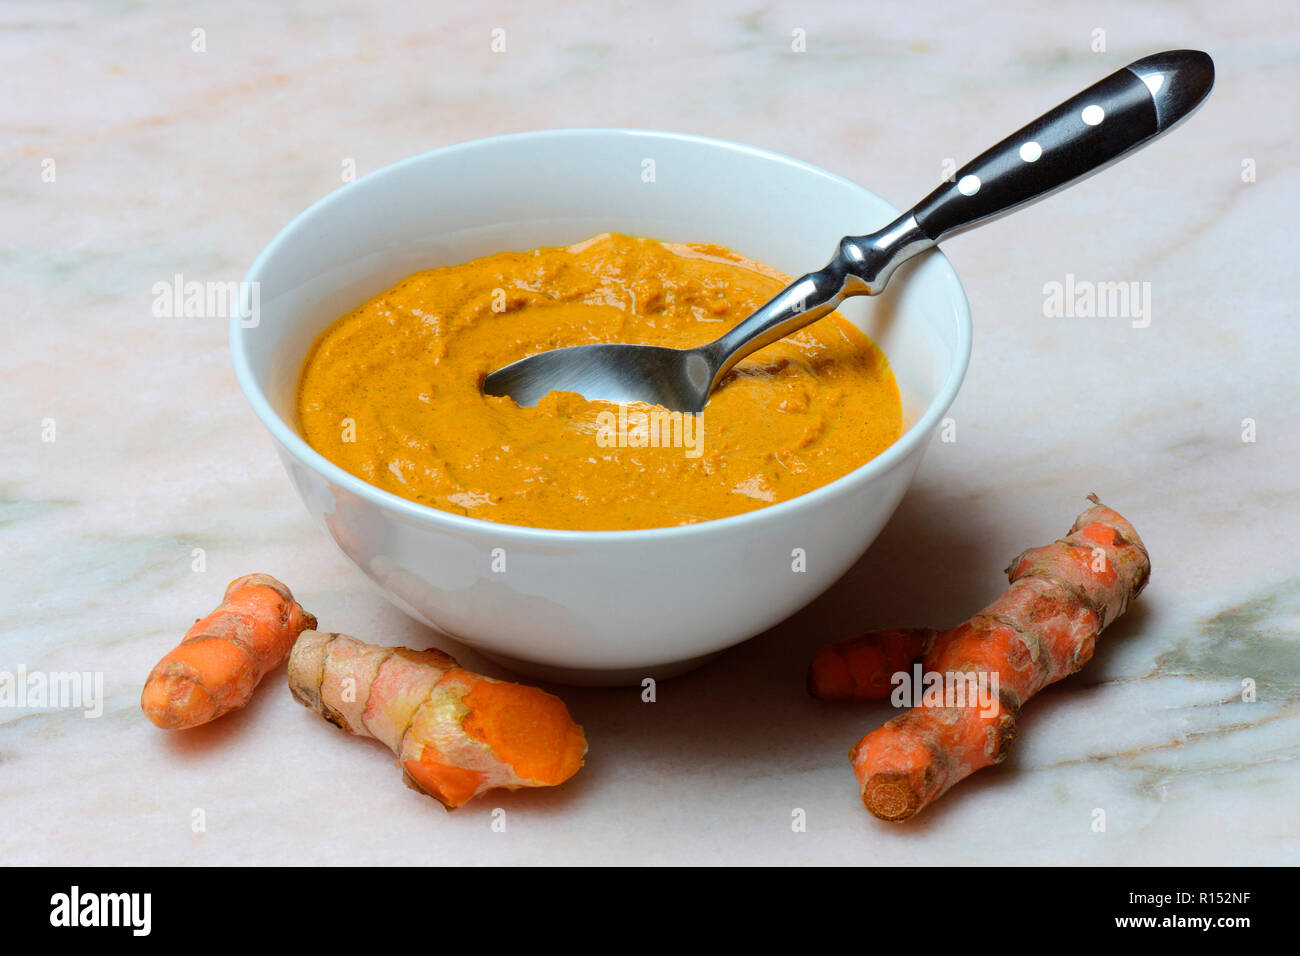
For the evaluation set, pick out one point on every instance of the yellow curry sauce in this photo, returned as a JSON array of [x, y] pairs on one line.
[[391, 392]]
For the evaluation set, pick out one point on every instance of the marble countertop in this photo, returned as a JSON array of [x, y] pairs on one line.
[[130, 155]]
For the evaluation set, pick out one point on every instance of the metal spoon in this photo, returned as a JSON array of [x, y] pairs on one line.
[[1126, 110]]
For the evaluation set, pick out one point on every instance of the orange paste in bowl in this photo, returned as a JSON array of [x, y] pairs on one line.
[[392, 391]]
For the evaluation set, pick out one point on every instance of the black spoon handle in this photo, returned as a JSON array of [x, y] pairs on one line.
[[1083, 134]]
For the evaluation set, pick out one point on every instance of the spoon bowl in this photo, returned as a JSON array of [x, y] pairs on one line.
[[677, 379]]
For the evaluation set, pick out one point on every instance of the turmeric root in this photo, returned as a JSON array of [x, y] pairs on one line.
[[224, 656], [860, 668], [456, 734], [1043, 628]]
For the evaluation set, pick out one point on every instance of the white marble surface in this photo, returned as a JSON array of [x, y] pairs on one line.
[[171, 161]]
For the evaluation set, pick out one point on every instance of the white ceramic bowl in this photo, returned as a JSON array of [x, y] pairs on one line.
[[607, 606]]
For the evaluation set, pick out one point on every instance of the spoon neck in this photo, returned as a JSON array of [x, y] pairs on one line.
[[872, 259], [803, 301], [861, 266]]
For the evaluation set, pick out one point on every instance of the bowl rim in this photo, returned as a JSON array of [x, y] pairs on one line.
[[289, 439]]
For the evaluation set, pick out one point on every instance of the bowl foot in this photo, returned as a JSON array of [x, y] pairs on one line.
[[596, 677]]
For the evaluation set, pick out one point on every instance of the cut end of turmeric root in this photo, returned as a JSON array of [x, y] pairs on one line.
[[224, 656], [526, 727], [457, 734]]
